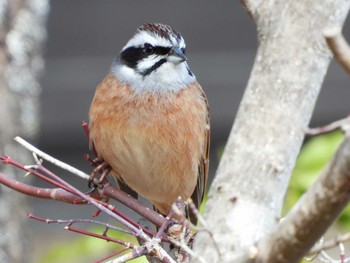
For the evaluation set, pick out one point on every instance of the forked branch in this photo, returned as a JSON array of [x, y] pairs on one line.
[[150, 241], [313, 214]]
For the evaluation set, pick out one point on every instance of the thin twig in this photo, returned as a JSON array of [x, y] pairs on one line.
[[87, 132], [132, 203], [112, 255], [103, 237], [342, 252], [39, 192], [151, 246], [197, 213], [203, 226], [339, 47], [65, 194], [107, 210], [183, 246], [330, 243], [8, 160], [343, 124], [165, 224], [109, 191], [135, 253], [51, 159], [75, 221]]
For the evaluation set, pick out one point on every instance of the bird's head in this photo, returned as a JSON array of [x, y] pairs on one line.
[[154, 60]]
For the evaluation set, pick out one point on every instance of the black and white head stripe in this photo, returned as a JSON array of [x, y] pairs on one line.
[[163, 31], [132, 55], [147, 49], [154, 60]]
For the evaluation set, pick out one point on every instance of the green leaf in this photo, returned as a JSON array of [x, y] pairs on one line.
[[313, 157]]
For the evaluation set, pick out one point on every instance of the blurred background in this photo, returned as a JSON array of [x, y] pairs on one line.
[[83, 38]]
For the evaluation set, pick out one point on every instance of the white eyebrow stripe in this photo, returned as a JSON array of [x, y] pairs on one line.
[[143, 37]]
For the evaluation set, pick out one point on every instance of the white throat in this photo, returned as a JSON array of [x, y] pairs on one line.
[[168, 77]]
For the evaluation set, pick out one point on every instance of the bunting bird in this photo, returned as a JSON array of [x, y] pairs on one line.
[[149, 120]]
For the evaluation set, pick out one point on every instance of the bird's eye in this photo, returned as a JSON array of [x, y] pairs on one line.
[[183, 50], [148, 49]]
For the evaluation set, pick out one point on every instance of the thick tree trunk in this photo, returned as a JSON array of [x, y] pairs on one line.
[[22, 33], [246, 197]]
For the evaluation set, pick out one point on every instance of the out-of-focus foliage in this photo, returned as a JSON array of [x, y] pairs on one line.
[[87, 249], [313, 157]]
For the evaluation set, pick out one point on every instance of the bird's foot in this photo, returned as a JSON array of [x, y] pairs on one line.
[[103, 168]]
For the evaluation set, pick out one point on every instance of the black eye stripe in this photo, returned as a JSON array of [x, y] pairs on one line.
[[132, 55], [161, 50]]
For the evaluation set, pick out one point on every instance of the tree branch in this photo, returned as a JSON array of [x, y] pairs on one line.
[[313, 214], [340, 48], [343, 124], [252, 179], [133, 204], [57, 194], [51, 159], [68, 193], [107, 190], [329, 244]]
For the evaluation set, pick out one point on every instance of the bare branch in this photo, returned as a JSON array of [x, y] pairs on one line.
[[343, 124], [51, 159], [313, 214], [253, 176], [106, 208], [111, 255], [339, 47], [116, 194], [75, 221], [99, 236], [330, 243], [106, 190], [57, 194], [136, 253], [342, 252], [29, 169]]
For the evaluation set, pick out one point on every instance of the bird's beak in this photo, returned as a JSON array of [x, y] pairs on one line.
[[176, 56]]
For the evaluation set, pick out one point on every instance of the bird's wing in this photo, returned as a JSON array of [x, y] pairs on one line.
[[126, 189], [203, 168]]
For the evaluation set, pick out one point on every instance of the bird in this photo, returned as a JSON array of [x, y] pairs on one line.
[[149, 120]]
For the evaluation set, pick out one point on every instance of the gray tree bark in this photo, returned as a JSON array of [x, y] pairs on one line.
[[22, 34], [246, 197]]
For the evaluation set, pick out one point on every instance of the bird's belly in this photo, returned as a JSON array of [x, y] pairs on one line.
[[152, 142], [157, 168]]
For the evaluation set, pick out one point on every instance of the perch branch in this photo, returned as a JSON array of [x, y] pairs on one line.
[[113, 193], [51, 159], [106, 208], [30, 170], [313, 214], [45, 193], [340, 48], [151, 246], [107, 190], [65, 194]]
